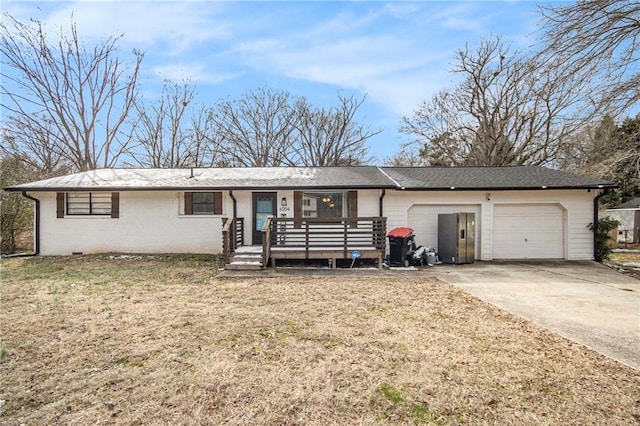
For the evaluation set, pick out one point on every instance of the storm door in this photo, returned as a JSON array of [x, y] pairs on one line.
[[264, 206]]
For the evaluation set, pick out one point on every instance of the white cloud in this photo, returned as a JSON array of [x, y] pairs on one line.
[[398, 67], [178, 26], [193, 72], [399, 53]]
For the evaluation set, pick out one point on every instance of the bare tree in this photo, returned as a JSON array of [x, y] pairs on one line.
[[408, 156], [162, 129], [79, 96], [34, 145], [272, 128], [16, 212], [206, 147], [329, 137], [255, 130], [597, 41], [610, 151], [173, 132], [508, 109]]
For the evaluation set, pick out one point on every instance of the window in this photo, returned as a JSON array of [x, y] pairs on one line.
[[324, 204], [202, 203], [89, 203]]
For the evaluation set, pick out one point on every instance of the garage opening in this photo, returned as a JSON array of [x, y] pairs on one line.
[[423, 218], [528, 231]]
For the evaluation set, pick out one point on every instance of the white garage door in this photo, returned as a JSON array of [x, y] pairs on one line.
[[423, 218], [528, 231]]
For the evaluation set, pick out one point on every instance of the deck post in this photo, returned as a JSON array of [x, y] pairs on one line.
[[345, 239], [306, 240]]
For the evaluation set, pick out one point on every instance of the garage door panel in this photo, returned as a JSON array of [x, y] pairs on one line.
[[528, 231], [423, 218]]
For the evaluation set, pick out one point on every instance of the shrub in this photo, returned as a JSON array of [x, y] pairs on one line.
[[601, 229]]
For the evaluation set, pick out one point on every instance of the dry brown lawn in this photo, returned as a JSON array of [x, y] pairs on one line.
[[160, 340]]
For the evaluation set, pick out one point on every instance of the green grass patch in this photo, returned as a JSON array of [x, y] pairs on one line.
[[390, 393], [4, 352]]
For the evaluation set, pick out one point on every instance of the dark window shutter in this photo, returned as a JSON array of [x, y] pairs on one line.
[[115, 205], [353, 207], [353, 204], [297, 208], [188, 203], [217, 203], [59, 205]]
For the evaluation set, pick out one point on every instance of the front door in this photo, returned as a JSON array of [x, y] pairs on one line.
[[264, 206]]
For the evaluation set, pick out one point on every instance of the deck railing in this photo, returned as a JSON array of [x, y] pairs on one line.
[[323, 235], [232, 235], [266, 241]]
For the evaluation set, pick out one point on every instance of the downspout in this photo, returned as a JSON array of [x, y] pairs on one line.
[[381, 208], [596, 210], [36, 237], [235, 204]]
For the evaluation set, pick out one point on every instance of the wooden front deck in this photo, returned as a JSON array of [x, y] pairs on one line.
[[312, 238], [324, 238]]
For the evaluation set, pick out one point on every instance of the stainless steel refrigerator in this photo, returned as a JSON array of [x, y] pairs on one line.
[[456, 237]]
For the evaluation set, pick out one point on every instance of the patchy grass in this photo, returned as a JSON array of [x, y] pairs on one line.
[[158, 340], [622, 261], [626, 257]]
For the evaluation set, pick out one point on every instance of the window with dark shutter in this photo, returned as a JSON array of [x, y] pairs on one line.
[[115, 205], [217, 203], [188, 205], [353, 204], [86, 204], [202, 203], [353, 208], [60, 205], [325, 204]]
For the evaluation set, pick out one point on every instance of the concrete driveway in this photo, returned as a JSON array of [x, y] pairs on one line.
[[583, 301]]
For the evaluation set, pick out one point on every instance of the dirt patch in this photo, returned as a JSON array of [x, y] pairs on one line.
[[159, 340]]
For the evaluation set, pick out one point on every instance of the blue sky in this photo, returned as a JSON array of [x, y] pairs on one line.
[[396, 53]]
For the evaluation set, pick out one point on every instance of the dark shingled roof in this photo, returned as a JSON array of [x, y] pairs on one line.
[[353, 177], [484, 178]]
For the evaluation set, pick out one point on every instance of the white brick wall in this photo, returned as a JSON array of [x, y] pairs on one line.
[[150, 222], [153, 221]]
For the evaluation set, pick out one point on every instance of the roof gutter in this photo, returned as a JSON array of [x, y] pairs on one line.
[[36, 237], [509, 188], [596, 209], [235, 203], [381, 206]]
